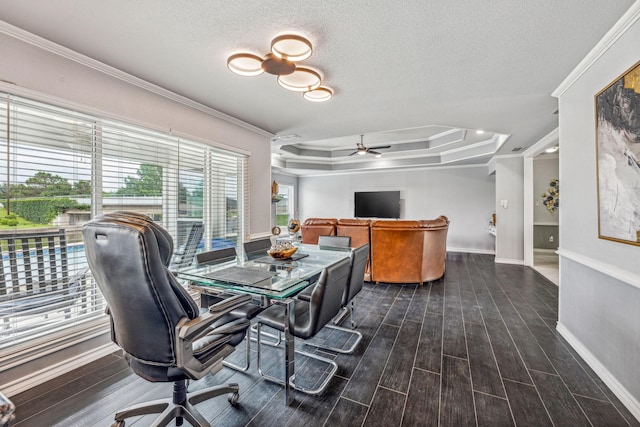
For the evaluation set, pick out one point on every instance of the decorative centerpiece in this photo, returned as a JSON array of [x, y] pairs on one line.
[[282, 250]]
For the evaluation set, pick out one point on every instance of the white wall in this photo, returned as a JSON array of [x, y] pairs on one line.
[[466, 195], [46, 75], [545, 223], [509, 219], [599, 279], [544, 170]]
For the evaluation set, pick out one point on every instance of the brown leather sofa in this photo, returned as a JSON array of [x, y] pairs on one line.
[[401, 251], [358, 230], [312, 228], [408, 251]]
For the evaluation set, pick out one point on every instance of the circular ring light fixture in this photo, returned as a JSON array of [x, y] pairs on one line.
[[285, 50], [320, 94], [291, 47], [245, 64], [301, 80]]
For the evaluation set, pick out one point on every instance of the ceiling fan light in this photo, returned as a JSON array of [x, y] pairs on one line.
[[320, 94], [291, 47], [277, 66], [362, 152], [245, 64], [301, 80], [378, 155]]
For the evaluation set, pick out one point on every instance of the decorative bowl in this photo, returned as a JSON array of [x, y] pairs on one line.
[[282, 253]]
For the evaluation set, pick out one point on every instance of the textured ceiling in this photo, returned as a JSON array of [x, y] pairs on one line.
[[419, 65]]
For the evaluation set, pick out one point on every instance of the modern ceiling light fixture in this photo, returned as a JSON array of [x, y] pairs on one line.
[[286, 50]]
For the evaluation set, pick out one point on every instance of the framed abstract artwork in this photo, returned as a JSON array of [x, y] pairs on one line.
[[618, 158]]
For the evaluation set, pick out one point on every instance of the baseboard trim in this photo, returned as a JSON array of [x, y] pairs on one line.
[[472, 251], [53, 371], [509, 261], [618, 389]]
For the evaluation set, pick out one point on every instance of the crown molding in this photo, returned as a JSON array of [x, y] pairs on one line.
[[545, 142], [56, 49], [624, 23]]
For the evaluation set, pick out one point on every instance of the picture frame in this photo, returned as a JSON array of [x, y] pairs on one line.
[[617, 110]]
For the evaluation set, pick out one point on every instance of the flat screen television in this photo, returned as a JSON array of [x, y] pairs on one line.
[[377, 204]]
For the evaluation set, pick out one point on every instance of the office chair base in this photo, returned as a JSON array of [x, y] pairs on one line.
[[349, 350], [169, 409]]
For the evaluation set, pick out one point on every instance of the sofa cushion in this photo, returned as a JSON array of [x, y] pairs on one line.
[[313, 228]]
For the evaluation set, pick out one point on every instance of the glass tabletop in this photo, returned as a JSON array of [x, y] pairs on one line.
[[266, 276]]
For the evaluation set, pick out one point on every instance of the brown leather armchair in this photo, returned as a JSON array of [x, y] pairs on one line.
[[312, 228], [359, 231], [408, 251]]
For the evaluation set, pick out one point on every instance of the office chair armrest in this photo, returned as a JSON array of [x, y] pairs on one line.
[[229, 304], [191, 330], [188, 331]]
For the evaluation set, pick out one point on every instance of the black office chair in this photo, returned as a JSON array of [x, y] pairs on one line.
[[334, 242], [159, 327], [354, 286], [257, 248], [310, 317]]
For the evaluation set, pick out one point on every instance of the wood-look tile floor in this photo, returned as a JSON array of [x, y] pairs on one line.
[[476, 348]]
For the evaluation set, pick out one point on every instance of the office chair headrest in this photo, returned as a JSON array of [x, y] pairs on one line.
[[165, 241]]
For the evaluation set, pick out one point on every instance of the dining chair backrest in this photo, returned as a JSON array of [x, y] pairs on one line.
[[216, 256], [326, 298], [334, 242], [356, 277], [257, 248]]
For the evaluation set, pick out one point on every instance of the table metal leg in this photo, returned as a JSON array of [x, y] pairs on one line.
[[289, 352]]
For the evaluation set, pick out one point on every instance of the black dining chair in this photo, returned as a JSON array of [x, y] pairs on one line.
[[257, 248], [334, 242], [248, 311], [216, 256], [354, 286], [309, 318], [163, 334]]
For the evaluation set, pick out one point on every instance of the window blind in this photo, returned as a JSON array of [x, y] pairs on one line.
[[59, 168]]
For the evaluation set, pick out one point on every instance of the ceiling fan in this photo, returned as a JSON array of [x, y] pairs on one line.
[[364, 150]]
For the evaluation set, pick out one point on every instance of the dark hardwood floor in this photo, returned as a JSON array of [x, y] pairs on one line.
[[478, 347]]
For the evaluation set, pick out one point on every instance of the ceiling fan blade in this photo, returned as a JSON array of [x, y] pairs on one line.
[[380, 147], [355, 152], [370, 151]]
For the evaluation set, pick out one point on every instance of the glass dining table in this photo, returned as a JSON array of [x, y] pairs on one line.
[[268, 281]]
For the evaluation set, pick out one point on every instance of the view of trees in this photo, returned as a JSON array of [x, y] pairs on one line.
[[147, 182], [44, 184]]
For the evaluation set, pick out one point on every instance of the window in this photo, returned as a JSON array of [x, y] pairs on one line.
[[284, 205], [59, 168]]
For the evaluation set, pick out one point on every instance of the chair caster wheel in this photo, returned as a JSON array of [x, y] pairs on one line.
[[233, 398], [118, 424]]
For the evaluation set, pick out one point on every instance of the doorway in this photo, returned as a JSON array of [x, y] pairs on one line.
[[542, 206]]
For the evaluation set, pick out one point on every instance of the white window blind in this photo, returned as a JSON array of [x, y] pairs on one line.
[[59, 168]]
